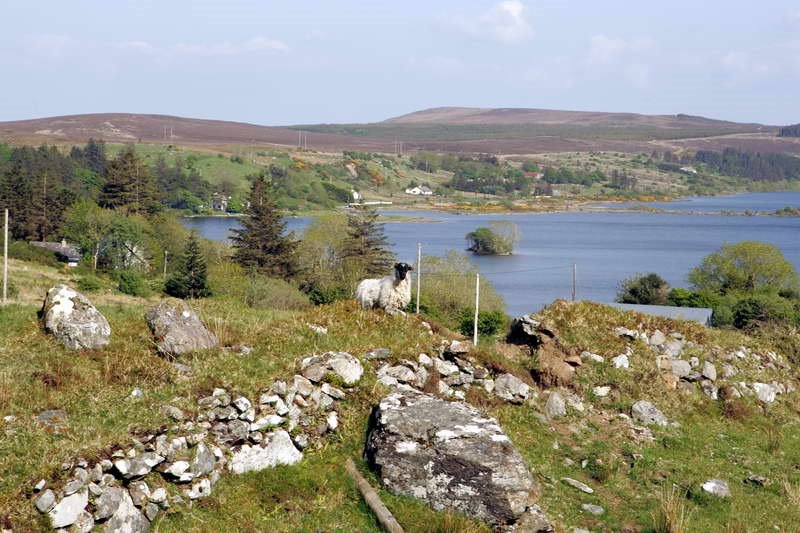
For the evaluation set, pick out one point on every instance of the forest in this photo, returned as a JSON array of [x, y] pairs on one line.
[[752, 165]]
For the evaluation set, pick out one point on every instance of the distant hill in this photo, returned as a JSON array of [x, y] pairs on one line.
[[476, 115]]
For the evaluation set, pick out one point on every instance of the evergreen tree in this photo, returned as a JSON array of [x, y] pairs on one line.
[[129, 185], [262, 245], [190, 279], [366, 247]]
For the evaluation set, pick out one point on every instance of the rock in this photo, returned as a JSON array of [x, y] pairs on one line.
[[342, 364], [46, 501], [575, 484], [759, 481], [332, 420], [173, 412], [716, 487], [140, 493], [200, 489], [765, 392], [425, 360], [555, 406], [621, 361], [203, 461], [626, 333], [450, 455], [511, 388], [601, 392], [66, 512], [673, 348], [178, 330], [40, 485], [399, 373], [83, 524], [657, 338], [709, 389], [378, 353], [136, 394], [242, 404], [445, 368], [151, 511], [528, 330], [646, 413], [728, 371], [127, 518], [54, 421], [265, 422], [681, 368], [73, 486], [71, 318], [593, 357], [333, 392], [593, 509], [158, 495], [279, 451], [533, 521], [108, 502], [316, 328], [693, 377], [458, 348]]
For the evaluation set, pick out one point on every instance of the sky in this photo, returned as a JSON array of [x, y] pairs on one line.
[[281, 62]]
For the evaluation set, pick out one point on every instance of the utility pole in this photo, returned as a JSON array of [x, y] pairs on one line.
[[477, 306], [166, 255], [5, 259], [419, 270], [574, 280]]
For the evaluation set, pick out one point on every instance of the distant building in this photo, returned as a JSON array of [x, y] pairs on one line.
[[356, 195], [695, 314], [65, 252], [420, 190], [219, 202]]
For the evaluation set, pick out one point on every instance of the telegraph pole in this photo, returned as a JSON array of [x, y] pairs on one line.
[[419, 270], [574, 280]]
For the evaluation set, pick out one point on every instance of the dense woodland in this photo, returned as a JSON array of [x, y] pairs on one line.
[[752, 165], [790, 131]]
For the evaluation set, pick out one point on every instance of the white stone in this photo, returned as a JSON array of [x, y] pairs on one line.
[[67, 510], [279, 451], [601, 392], [621, 361], [765, 392], [267, 422], [717, 487]]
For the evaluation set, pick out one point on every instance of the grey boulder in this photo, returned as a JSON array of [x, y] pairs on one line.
[[511, 388], [72, 319], [178, 330], [341, 364], [450, 455], [646, 413]]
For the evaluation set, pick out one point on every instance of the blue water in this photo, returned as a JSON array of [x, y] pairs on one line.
[[606, 247], [759, 202]]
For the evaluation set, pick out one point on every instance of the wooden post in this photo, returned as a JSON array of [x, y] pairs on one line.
[[419, 271], [166, 253], [574, 280], [477, 307], [5, 259], [374, 502]]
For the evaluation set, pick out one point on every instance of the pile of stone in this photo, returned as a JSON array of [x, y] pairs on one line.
[[129, 488], [456, 371]]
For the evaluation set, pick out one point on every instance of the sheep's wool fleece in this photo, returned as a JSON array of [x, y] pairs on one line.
[[386, 293]]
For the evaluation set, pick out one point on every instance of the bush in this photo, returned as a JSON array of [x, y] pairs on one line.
[[89, 283], [133, 283], [644, 289], [680, 297], [762, 309], [271, 293], [497, 240], [490, 323], [25, 252]]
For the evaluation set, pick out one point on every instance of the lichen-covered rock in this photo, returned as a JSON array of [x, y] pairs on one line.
[[450, 455], [511, 388], [178, 330], [342, 364], [66, 512], [127, 518], [646, 413], [71, 318]]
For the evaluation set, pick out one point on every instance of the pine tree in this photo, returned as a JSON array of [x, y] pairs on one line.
[[129, 185], [190, 279], [366, 248], [262, 245]]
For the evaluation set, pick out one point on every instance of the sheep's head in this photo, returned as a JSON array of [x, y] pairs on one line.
[[401, 269]]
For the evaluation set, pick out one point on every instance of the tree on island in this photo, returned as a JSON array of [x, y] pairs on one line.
[[366, 249], [190, 279], [498, 239], [262, 244]]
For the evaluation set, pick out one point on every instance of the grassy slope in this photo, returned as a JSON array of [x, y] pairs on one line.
[[94, 387]]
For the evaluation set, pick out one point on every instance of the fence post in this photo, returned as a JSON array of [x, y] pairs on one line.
[[477, 306], [5, 259], [574, 280], [419, 271]]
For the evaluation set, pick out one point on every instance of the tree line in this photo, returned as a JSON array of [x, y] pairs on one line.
[[790, 131], [756, 166]]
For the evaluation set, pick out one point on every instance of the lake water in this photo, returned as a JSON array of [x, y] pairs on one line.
[[759, 202], [606, 247]]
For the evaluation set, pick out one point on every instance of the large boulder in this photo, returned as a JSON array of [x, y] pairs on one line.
[[178, 330], [71, 318], [450, 455]]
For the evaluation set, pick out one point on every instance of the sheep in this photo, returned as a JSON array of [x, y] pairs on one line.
[[391, 293]]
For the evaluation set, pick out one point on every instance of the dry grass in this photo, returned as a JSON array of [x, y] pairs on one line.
[[673, 515], [791, 490]]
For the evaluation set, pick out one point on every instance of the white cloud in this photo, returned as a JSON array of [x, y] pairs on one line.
[[205, 50], [504, 22]]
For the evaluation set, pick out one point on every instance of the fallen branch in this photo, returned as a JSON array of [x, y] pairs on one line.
[[385, 517]]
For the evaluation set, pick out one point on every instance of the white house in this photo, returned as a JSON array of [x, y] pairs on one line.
[[356, 195], [420, 190]]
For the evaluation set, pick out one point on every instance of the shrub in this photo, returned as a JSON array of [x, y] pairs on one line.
[[89, 283], [271, 293], [681, 297], [133, 283], [489, 323], [645, 289], [760, 309], [497, 240], [25, 252]]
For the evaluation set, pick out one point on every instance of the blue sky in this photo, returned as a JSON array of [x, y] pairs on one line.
[[289, 62]]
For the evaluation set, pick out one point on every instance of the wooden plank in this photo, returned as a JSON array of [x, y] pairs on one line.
[[384, 516]]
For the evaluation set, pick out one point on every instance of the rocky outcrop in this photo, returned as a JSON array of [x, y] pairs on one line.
[[178, 330], [71, 318], [450, 455]]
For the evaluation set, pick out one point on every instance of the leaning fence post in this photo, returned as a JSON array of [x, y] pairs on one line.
[[477, 306]]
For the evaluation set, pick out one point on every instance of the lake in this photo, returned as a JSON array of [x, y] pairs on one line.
[[606, 247]]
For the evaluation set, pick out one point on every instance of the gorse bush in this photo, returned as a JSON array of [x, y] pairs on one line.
[[270, 293], [132, 282], [490, 323], [89, 283]]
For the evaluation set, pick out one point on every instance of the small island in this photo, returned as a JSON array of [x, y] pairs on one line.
[[498, 239]]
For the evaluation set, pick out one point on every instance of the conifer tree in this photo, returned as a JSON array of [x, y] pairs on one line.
[[190, 279], [129, 185], [262, 244], [366, 248]]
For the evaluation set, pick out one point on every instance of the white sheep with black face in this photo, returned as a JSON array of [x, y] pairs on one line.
[[391, 293]]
